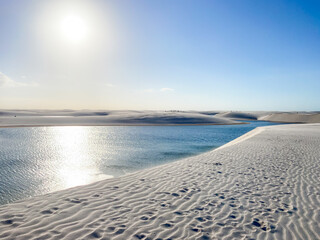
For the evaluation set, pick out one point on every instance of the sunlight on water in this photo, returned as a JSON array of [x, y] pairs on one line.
[[74, 165]]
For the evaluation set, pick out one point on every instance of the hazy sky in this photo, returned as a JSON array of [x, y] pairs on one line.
[[166, 54]]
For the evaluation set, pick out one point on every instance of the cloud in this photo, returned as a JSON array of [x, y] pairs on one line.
[[6, 82], [166, 90], [150, 90], [109, 85]]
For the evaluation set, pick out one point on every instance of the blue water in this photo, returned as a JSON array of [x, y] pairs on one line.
[[38, 160]]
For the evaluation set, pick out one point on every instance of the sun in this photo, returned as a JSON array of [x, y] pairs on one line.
[[74, 29]]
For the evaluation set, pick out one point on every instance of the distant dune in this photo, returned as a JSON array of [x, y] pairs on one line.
[[293, 117], [242, 115], [101, 118], [14, 118], [284, 117]]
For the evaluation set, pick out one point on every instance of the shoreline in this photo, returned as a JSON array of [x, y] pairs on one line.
[[252, 186], [119, 125]]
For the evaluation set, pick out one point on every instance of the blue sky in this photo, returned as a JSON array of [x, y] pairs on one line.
[[199, 55]]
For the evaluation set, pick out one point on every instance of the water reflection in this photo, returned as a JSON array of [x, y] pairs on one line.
[[75, 166]]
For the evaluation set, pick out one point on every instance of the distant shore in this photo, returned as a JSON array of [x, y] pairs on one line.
[[119, 125], [265, 183], [36, 118]]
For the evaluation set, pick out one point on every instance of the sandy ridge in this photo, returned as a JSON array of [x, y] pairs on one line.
[[263, 186]]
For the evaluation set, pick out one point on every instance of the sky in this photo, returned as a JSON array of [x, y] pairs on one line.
[[160, 55]]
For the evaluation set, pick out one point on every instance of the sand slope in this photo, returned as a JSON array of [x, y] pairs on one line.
[[264, 185]]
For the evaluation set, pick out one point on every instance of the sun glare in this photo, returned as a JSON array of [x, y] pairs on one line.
[[74, 29], [66, 30]]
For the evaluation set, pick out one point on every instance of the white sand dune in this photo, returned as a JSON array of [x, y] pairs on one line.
[[14, 118], [302, 117], [263, 185], [242, 115], [283, 117], [86, 117]]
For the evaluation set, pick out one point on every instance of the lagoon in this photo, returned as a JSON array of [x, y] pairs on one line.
[[39, 160]]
